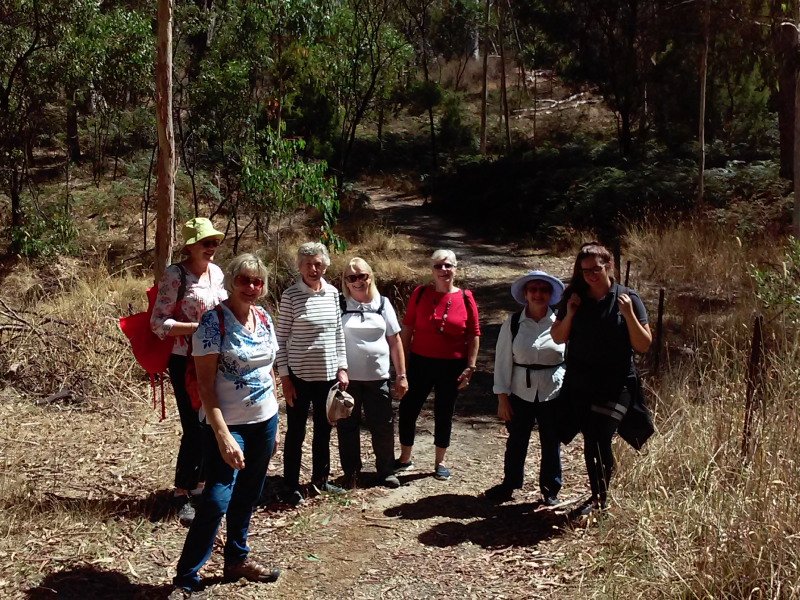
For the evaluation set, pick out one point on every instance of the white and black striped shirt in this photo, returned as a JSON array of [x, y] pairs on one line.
[[309, 332]]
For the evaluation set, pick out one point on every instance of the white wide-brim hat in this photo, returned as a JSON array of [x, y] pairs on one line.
[[518, 287]]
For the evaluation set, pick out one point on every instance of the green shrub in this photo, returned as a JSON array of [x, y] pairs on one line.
[[45, 234]]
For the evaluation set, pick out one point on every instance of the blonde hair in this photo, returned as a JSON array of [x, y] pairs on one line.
[[249, 263], [365, 268], [444, 254]]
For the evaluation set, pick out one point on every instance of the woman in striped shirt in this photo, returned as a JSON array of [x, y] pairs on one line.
[[311, 358]]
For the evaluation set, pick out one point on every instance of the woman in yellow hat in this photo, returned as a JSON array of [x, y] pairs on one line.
[[187, 290]]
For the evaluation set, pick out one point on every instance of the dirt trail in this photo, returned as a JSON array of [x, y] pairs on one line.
[[432, 539]]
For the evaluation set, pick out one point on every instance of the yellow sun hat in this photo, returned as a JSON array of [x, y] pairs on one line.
[[198, 229]]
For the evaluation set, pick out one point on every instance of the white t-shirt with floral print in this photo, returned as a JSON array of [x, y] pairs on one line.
[[244, 385], [201, 294]]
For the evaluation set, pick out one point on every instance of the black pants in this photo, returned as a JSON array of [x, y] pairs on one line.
[[374, 397], [308, 393], [599, 423], [424, 375], [525, 414], [189, 466]]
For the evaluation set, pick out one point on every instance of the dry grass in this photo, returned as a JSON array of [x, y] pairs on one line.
[[696, 254], [60, 332]]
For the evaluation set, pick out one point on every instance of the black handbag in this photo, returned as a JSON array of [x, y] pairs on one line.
[[637, 425]]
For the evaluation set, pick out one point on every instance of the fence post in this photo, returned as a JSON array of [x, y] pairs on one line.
[[754, 381], [627, 272], [659, 331], [617, 258]]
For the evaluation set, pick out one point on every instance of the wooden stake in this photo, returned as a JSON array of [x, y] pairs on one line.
[[754, 382], [659, 332], [627, 272]]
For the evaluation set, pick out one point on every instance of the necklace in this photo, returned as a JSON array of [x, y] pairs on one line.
[[444, 315]]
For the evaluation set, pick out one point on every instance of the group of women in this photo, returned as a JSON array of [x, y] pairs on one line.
[[324, 340]]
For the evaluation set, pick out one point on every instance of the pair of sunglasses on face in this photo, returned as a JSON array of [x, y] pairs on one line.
[[356, 277], [213, 243], [247, 281], [444, 267]]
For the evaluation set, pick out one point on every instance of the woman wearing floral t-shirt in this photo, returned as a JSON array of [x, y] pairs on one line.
[[234, 349], [187, 290]]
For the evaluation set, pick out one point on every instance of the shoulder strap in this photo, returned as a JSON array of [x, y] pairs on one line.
[[380, 308], [262, 316], [342, 303], [515, 323], [221, 319], [182, 287]]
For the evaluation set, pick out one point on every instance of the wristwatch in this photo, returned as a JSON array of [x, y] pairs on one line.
[[403, 376]]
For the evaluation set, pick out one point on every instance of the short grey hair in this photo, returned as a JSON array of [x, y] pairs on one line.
[[313, 249], [249, 263], [444, 254]]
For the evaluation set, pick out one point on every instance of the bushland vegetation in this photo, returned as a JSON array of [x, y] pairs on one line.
[[285, 110]]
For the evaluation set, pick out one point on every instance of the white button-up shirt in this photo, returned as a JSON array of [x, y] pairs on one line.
[[532, 345]]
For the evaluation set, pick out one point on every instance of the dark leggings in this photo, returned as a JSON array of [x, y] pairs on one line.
[[598, 426], [426, 374], [189, 466]]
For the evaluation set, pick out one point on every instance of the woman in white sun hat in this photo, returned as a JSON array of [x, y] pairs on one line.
[[528, 372]]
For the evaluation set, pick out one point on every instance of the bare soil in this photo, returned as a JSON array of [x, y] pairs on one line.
[[86, 489]]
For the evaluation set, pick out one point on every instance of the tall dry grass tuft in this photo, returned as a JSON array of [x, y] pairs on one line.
[[698, 517], [398, 263], [697, 254], [61, 335]]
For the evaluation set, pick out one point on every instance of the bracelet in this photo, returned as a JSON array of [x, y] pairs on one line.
[[403, 376], [471, 369]]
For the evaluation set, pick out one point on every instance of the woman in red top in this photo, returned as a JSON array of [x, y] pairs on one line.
[[441, 334]]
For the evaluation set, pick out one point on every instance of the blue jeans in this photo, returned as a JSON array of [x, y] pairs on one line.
[[525, 414], [228, 492]]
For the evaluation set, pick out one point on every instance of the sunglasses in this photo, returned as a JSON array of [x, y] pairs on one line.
[[246, 281], [594, 270], [210, 243], [444, 267], [356, 277]]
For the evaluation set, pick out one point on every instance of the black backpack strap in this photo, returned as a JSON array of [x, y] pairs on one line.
[[380, 308], [182, 287], [515, 324], [221, 319], [342, 303]]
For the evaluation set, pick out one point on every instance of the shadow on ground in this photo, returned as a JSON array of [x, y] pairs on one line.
[[156, 506], [81, 583], [494, 526]]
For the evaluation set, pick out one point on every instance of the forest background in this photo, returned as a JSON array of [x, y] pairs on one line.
[[664, 128]]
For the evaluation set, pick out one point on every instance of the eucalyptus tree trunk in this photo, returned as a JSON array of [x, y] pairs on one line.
[[796, 159], [485, 89], [501, 33], [165, 166], [702, 112]]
